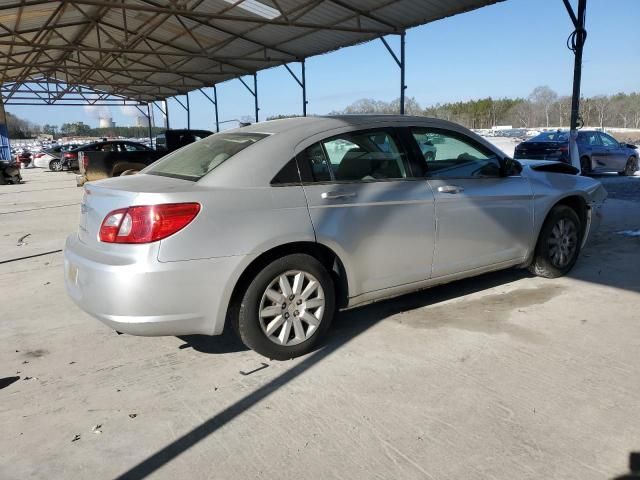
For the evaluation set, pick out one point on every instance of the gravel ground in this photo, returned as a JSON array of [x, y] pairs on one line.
[[504, 376]]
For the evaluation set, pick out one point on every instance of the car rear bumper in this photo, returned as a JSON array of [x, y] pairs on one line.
[[149, 297]]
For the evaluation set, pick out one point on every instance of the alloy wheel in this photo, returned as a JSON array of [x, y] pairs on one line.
[[292, 308], [631, 167], [563, 242]]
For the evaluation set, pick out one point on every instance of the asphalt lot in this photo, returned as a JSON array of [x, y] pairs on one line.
[[504, 376]]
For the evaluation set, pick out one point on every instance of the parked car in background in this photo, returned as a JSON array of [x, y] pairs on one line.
[[599, 151], [23, 157], [51, 158], [172, 140], [112, 159], [70, 155], [277, 225]]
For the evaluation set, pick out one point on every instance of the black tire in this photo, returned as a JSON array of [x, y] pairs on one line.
[[585, 165], [55, 165], [249, 322], [545, 261], [631, 167]]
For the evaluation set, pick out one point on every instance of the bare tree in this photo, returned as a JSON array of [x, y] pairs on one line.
[[544, 98], [601, 103], [563, 108], [523, 112]]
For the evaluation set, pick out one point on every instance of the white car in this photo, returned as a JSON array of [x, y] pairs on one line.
[[49, 159]]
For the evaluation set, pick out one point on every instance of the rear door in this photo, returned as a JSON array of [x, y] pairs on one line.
[[589, 144], [365, 205], [482, 217]]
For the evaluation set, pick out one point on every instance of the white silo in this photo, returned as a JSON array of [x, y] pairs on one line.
[[105, 122]]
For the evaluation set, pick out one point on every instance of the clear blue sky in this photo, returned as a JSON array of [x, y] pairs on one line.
[[503, 50]]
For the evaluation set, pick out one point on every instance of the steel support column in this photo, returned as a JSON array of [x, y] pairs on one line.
[[401, 63], [5, 147], [150, 126], [302, 81], [188, 113], [253, 92], [213, 100], [576, 43], [186, 107], [166, 114]]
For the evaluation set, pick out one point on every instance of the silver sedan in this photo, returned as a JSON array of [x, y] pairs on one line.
[[273, 227]]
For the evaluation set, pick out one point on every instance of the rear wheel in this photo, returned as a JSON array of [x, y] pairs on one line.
[[287, 307], [55, 165], [559, 243], [585, 165], [631, 167]]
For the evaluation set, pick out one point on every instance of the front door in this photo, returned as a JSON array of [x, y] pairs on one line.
[[482, 217], [364, 205], [616, 157]]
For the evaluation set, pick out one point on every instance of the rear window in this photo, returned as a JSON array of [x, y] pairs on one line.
[[551, 137], [194, 161]]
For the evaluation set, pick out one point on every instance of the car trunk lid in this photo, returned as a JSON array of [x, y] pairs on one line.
[[540, 150]]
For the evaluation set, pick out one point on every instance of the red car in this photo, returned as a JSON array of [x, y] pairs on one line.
[[24, 158]]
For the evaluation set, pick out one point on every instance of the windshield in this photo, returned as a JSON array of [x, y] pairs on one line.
[[197, 159], [551, 137]]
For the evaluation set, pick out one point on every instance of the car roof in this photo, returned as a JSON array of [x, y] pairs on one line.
[[289, 136]]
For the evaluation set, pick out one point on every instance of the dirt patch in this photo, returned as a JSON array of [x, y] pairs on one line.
[[36, 353], [487, 314]]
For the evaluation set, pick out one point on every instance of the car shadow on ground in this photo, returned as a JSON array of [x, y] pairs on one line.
[[349, 323], [347, 326]]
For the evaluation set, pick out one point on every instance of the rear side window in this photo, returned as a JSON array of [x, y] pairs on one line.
[[197, 159], [551, 137], [365, 156]]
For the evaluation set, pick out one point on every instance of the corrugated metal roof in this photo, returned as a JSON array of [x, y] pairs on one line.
[[147, 50]]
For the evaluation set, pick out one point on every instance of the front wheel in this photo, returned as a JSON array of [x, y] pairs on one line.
[[631, 167], [287, 307], [559, 243], [55, 165]]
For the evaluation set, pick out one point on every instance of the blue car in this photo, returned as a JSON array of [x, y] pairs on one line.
[[599, 152]]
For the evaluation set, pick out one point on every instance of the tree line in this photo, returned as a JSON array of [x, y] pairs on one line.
[[19, 129], [542, 108]]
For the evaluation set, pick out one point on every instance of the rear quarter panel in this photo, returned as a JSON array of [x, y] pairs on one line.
[[238, 221]]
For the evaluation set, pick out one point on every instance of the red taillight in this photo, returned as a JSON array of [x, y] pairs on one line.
[[563, 149], [146, 223]]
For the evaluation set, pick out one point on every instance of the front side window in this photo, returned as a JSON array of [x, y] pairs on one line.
[[197, 159], [608, 141], [447, 154], [363, 156]]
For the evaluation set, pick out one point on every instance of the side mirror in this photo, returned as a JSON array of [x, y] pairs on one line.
[[510, 167]]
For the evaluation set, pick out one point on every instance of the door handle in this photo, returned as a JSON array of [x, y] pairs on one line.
[[450, 189], [337, 195]]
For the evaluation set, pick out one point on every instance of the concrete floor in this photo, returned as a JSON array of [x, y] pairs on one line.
[[503, 376]]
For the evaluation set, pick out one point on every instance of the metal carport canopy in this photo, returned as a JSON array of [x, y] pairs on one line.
[[148, 50]]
